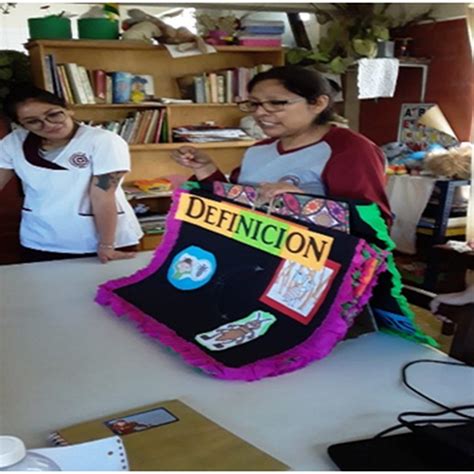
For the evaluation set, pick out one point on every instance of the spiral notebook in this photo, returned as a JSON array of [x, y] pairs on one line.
[[171, 436]]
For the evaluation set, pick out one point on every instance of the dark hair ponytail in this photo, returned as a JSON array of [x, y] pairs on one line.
[[305, 82]]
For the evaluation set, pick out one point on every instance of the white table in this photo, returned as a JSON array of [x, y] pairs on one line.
[[65, 359]]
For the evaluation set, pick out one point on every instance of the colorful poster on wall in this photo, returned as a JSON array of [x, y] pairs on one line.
[[418, 136]]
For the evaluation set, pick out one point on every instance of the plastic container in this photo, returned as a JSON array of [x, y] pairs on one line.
[[50, 27], [15, 457], [97, 28]]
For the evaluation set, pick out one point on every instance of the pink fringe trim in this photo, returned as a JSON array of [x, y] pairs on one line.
[[315, 347]]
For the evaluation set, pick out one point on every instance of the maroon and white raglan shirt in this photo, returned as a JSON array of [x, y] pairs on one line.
[[343, 164]]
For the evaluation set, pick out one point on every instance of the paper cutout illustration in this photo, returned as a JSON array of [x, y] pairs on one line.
[[298, 291], [140, 421], [238, 332], [192, 268]]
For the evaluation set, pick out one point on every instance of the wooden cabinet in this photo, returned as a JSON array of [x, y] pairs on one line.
[[153, 160]]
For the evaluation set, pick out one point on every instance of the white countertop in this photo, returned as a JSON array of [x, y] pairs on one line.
[[65, 359]]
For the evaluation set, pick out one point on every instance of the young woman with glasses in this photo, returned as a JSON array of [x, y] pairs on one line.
[[304, 153], [71, 174]]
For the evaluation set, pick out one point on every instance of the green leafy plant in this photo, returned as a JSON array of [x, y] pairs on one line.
[[14, 71], [352, 32]]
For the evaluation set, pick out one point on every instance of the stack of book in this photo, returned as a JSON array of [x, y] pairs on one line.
[[261, 33], [208, 133], [78, 85], [153, 224], [140, 127], [149, 212], [219, 87]]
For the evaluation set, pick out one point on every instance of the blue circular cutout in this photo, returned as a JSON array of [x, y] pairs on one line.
[[191, 268]]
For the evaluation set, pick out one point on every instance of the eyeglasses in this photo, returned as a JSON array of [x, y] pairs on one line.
[[56, 116], [274, 105]]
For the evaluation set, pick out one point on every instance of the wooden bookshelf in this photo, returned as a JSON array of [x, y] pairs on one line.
[[153, 160]]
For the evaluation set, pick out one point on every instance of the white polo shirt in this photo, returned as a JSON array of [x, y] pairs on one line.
[[57, 212]]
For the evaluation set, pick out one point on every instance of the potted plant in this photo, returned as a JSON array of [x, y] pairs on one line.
[[353, 31]]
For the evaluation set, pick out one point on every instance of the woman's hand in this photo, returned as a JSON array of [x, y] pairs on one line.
[[267, 191], [197, 160], [108, 253]]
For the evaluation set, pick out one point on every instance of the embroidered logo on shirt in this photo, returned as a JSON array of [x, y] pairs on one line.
[[79, 160]]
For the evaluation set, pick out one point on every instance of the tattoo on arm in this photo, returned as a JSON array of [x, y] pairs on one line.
[[108, 181]]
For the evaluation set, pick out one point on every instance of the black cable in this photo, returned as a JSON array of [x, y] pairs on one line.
[[423, 395], [411, 425]]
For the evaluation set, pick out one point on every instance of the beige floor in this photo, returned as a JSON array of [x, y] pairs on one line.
[[431, 326]]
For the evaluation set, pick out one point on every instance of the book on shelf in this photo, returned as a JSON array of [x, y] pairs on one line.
[[151, 130], [159, 126], [220, 86], [153, 227], [99, 84], [262, 27], [139, 127], [229, 85], [64, 83], [86, 84], [53, 83], [199, 91], [121, 87], [214, 99], [164, 132], [142, 88], [143, 127], [48, 74], [171, 436], [108, 89], [151, 217], [74, 79], [264, 41], [131, 136]]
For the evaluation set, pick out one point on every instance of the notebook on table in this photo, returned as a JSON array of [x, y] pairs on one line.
[[171, 436]]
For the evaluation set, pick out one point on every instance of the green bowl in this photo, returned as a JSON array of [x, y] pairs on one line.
[[97, 28], [50, 27]]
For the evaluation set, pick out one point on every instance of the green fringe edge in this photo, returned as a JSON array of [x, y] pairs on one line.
[[372, 216]]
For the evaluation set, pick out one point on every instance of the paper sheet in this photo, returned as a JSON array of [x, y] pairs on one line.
[[106, 454], [174, 51]]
